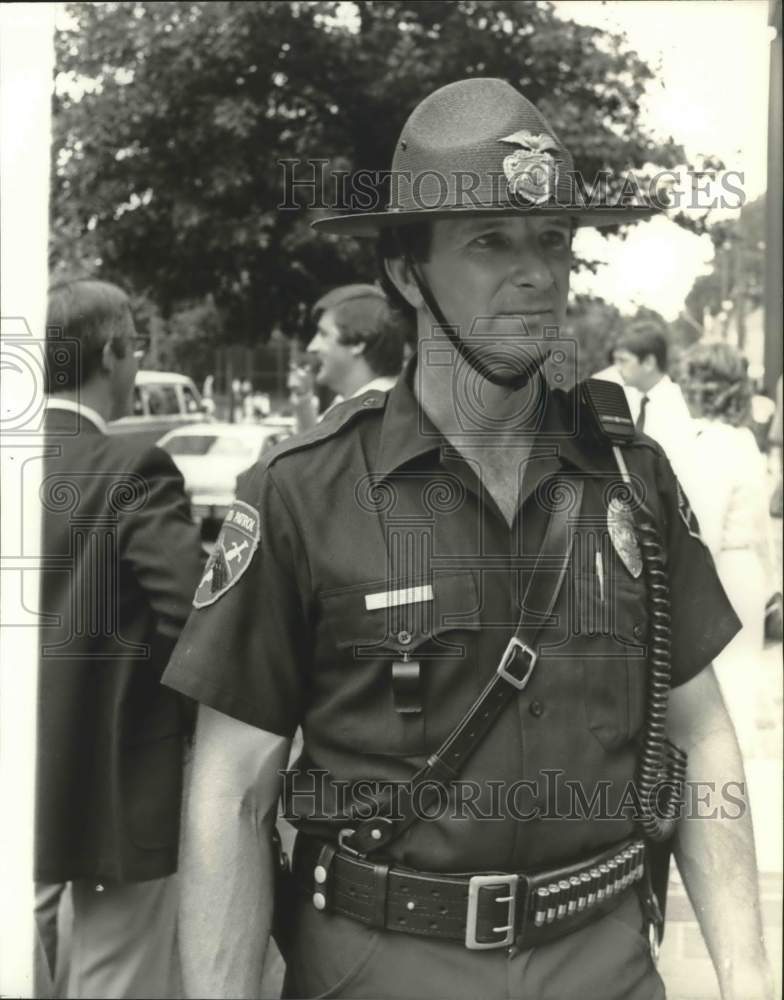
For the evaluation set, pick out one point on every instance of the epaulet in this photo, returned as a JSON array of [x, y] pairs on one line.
[[338, 419]]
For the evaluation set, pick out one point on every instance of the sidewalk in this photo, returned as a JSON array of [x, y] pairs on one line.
[[684, 963]]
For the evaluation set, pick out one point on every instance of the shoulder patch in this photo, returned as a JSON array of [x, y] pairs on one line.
[[237, 541], [342, 416]]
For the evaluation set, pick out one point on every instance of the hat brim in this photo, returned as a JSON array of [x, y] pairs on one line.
[[372, 223]]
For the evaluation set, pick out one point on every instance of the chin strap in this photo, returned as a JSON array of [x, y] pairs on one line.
[[467, 351]]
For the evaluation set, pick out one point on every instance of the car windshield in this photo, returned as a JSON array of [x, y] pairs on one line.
[[190, 444], [209, 444], [162, 400]]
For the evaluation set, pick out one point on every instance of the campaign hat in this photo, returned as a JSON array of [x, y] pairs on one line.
[[480, 146]]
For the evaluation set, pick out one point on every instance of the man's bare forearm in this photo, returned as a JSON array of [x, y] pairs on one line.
[[227, 871], [714, 849], [226, 909]]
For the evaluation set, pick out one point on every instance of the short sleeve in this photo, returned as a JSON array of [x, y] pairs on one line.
[[243, 647], [703, 620]]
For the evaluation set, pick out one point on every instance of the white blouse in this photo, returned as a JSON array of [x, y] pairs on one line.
[[729, 489]]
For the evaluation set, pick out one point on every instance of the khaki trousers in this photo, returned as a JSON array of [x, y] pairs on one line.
[[116, 940]]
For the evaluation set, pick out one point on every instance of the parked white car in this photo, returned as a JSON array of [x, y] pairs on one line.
[[161, 401], [210, 456]]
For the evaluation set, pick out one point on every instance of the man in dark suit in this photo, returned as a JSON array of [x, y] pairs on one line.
[[120, 562]]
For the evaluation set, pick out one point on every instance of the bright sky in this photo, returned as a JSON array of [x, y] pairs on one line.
[[711, 95]]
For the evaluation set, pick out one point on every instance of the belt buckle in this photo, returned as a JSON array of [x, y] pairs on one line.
[[509, 653], [475, 886]]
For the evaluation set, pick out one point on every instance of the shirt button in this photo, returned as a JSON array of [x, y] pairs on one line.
[[536, 708], [319, 900], [404, 637]]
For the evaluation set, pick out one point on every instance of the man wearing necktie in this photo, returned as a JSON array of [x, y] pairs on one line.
[[641, 357], [640, 421]]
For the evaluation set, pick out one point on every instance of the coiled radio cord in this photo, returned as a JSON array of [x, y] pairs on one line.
[[661, 766]]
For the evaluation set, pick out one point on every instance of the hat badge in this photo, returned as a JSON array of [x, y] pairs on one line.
[[531, 172]]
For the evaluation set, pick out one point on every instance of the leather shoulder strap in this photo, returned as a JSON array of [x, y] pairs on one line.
[[509, 678]]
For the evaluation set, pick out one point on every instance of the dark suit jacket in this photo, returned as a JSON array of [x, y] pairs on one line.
[[120, 563]]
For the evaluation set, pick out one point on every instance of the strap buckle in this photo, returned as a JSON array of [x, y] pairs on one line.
[[478, 887], [526, 658], [348, 831]]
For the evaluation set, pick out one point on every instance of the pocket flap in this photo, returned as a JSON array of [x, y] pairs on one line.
[[418, 610]]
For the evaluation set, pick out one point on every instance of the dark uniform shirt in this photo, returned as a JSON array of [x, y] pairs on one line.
[[374, 508]]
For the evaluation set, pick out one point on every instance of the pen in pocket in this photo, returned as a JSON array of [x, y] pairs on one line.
[[599, 563]]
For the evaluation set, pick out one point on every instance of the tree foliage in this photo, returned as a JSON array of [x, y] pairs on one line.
[[737, 278], [596, 326], [171, 120]]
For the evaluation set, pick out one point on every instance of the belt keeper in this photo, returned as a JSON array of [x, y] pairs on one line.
[[380, 882], [439, 771], [321, 872]]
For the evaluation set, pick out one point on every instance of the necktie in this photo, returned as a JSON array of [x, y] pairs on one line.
[[640, 424]]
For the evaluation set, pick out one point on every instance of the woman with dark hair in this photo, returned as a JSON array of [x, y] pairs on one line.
[[731, 504]]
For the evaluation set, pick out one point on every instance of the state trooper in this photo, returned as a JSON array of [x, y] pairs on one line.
[[484, 598]]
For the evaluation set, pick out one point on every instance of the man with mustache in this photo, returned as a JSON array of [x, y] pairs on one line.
[[459, 591]]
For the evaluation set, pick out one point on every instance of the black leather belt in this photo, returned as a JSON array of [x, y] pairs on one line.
[[489, 910]]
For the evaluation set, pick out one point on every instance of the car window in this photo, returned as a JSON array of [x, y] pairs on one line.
[[228, 445], [162, 400], [189, 444], [191, 403]]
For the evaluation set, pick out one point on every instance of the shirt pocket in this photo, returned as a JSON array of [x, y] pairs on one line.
[[612, 633], [358, 693]]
